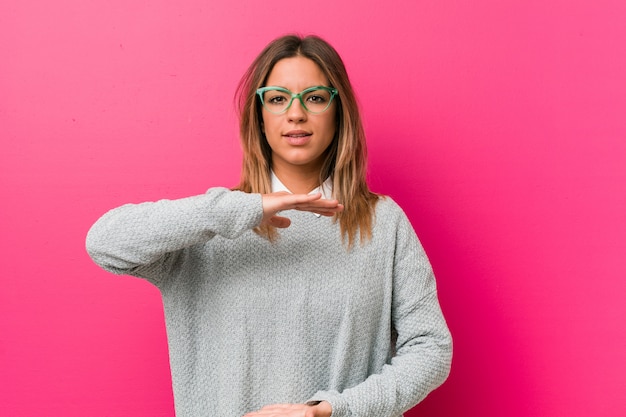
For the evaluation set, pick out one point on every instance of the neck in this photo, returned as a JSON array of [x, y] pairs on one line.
[[298, 180]]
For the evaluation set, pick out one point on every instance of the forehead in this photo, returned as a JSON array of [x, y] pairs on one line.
[[296, 74]]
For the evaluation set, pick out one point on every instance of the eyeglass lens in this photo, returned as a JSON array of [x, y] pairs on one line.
[[314, 101]]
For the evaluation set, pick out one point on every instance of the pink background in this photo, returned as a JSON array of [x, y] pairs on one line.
[[500, 127]]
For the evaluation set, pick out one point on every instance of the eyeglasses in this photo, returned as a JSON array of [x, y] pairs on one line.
[[277, 100]]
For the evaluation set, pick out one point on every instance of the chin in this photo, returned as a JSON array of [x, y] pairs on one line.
[[302, 160]]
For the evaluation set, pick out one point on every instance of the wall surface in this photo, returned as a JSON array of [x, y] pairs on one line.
[[499, 126]]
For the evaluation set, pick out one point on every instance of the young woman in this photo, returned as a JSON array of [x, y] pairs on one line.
[[300, 292]]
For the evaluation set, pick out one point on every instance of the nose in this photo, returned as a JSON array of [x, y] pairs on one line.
[[296, 112]]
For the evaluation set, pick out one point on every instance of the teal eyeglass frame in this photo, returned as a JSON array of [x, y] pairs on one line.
[[333, 92]]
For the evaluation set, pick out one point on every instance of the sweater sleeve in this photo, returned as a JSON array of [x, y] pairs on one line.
[[147, 239], [423, 348]]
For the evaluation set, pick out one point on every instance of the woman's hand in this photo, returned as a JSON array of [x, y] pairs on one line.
[[276, 202], [323, 409]]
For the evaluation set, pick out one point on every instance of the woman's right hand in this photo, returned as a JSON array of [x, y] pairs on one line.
[[276, 202]]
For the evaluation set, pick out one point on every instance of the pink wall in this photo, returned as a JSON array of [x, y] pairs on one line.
[[500, 126]]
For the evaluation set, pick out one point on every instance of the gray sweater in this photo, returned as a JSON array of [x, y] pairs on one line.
[[252, 323]]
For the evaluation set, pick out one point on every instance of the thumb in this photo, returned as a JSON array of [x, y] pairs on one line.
[[280, 222]]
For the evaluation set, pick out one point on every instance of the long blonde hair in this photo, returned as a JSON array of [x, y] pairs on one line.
[[346, 157]]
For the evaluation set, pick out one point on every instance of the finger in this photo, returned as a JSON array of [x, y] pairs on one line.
[[295, 200], [279, 406], [328, 210], [280, 410], [275, 202], [326, 206], [284, 410], [321, 203], [325, 213]]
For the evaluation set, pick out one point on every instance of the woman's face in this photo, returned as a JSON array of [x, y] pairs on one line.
[[298, 139]]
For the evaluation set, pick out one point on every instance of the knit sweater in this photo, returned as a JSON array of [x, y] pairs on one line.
[[252, 322]]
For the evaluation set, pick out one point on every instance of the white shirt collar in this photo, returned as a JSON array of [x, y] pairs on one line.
[[326, 188]]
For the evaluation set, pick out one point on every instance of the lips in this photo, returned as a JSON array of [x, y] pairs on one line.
[[297, 137]]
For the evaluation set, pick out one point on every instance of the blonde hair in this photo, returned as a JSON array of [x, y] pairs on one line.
[[346, 157]]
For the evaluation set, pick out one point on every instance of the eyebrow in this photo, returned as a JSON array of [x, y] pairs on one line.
[[312, 86]]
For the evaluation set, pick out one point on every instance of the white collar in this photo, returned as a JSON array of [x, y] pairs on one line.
[[326, 188]]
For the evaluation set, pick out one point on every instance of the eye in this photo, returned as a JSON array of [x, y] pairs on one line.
[[276, 99], [316, 98]]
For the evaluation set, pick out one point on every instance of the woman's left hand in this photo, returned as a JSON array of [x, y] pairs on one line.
[[322, 409]]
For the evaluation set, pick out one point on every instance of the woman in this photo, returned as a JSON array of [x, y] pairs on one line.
[[300, 292]]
